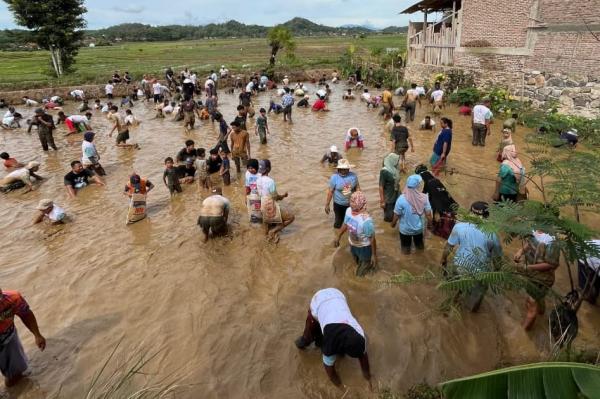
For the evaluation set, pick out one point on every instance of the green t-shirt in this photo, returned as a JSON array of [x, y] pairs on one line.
[[390, 192], [508, 183], [261, 122]]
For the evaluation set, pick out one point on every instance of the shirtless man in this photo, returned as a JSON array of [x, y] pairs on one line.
[[410, 102], [214, 214]]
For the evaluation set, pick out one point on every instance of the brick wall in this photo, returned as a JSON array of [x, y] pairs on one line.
[[570, 11], [573, 53], [501, 23]]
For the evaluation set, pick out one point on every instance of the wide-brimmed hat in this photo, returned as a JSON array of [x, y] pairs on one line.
[[344, 164], [33, 164], [333, 148], [44, 204]]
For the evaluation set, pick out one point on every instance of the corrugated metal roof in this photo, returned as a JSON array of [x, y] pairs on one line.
[[431, 5]]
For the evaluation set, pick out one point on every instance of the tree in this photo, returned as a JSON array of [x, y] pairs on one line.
[[279, 38], [56, 26]]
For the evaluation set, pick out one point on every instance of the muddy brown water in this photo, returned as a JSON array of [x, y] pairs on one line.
[[225, 314]]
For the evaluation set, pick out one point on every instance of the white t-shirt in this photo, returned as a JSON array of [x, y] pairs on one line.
[[19, 174], [140, 93], [431, 123], [420, 90], [223, 72], [105, 108], [366, 96], [77, 93], [437, 95], [29, 102], [208, 82], [88, 150], [168, 109], [109, 88], [214, 77], [285, 81], [321, 93], [156, 88], [481, 114], [193, 78], [329, 306], [592, 261], [78, 119], [54, 99], [130, 120], [265, 186], [56, 214], [249, 86], [215, 205]]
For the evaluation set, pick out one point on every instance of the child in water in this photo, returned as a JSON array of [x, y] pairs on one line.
[[354, 139], [427, 123], [224, 172], [170, 177], [201, 169], [261, 128]]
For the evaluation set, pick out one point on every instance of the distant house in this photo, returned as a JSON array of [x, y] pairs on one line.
[[503, 40]]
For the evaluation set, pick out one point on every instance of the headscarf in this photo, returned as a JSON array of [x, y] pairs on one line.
[[88, 136], [415, 198], [390, 163], [509, 156], [358, 202], [263, 165]]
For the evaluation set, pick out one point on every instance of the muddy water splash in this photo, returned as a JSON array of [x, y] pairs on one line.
[[226, 313]]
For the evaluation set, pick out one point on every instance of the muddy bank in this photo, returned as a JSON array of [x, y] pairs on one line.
[[93, 91]]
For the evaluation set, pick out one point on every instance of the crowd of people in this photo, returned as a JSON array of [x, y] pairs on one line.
[[422, 203]]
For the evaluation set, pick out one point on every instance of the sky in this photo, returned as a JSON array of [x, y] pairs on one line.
[[104, 13]]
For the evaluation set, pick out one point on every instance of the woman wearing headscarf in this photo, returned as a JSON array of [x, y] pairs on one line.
[[511, 176], [506, 140], [389, 179], [331, 326], [411, 207], [361, 234], [274, 217], [443, 205]]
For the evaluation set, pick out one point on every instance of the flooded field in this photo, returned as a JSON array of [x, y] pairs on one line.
[[226, 313]]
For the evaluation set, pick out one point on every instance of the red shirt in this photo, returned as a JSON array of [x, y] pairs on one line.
[[11, 304], [464, 110], [318, 105]]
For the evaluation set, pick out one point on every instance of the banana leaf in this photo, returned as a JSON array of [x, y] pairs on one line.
[[556, 380]]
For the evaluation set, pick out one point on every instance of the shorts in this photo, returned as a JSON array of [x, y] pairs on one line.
[[287, 110], [340, 213], [362, 257], [122, 137], [189, 118], [13, 361], [109, 96], [401, 150], [216, 224], [70, 125], [175, 187], [156, 98], [406, 241]]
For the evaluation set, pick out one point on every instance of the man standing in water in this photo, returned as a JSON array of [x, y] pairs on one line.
[[475, 253], [240, 146], [214, 214], [287, 101], [331, 325], [410, 102], [480, 122], [13, 362], [274, 217], [189, 107], [46, 126]]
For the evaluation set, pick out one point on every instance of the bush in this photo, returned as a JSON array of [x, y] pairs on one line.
[[469, 95], [423, 391]]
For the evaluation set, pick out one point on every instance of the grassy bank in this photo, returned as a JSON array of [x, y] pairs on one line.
[[22, 70]]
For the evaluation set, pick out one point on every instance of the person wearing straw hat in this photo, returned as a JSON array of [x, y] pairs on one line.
[[21, 177], [361, 234], [49, 210], [332, 156], [410, 209], [341, 186]]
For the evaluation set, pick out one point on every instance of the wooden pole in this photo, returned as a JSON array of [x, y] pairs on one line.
[[425, 34]]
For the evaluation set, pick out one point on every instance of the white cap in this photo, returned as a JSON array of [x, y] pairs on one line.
[[333, 148]]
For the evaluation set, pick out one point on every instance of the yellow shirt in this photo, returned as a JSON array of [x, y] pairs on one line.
[[386, 97]]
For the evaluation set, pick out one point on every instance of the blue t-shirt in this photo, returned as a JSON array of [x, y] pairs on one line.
[[476, 248], [445, 136], [410, 223], [343, 187]]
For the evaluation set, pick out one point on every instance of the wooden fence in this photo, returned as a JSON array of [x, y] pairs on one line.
[[435, 43]]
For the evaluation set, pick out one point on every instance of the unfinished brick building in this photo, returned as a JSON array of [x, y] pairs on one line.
[[504, 41]]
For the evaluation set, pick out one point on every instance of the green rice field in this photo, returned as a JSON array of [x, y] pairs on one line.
[[22, 70]]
